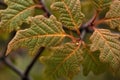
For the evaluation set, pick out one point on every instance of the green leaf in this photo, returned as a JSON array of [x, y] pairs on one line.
[[113, 15], [102, 4], [42, 33], [109, 45], [16, 13], [92, 63], [70, 13], [64, 62]]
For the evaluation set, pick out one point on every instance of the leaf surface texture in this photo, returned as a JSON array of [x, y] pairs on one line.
[[70, 13], [113, 15], [92, 63], [42, 33], [16, 13], [109, 45], [64, 62], [102, 4]]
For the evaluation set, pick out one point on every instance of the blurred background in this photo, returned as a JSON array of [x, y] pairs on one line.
[[21, 59]]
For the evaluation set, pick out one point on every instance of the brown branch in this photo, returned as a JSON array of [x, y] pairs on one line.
[[24, 76], [28, 69], [87, 27], [45, 9], [4, 59], [95, 17], [7, 62]]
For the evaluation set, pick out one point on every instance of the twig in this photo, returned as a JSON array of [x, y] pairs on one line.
[[12, 67], [45, 9], [87, 27], [94, 17], [5, 59], [28, 69], [83, 34]]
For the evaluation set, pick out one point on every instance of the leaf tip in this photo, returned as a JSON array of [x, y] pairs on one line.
[[7, 53]]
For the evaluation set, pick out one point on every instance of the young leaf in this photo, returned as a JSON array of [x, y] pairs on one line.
[[102, 4], [109, 46], [70, 13], [42, 33], [113, 15], [92, 63], [16, 13], [64, 62]]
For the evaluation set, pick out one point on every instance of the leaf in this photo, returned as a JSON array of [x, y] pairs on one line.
[[92, 63], [113, 15], [64, 62], [109, 46], [70, 13], [16, 13], [102, 4], [42, 33]]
